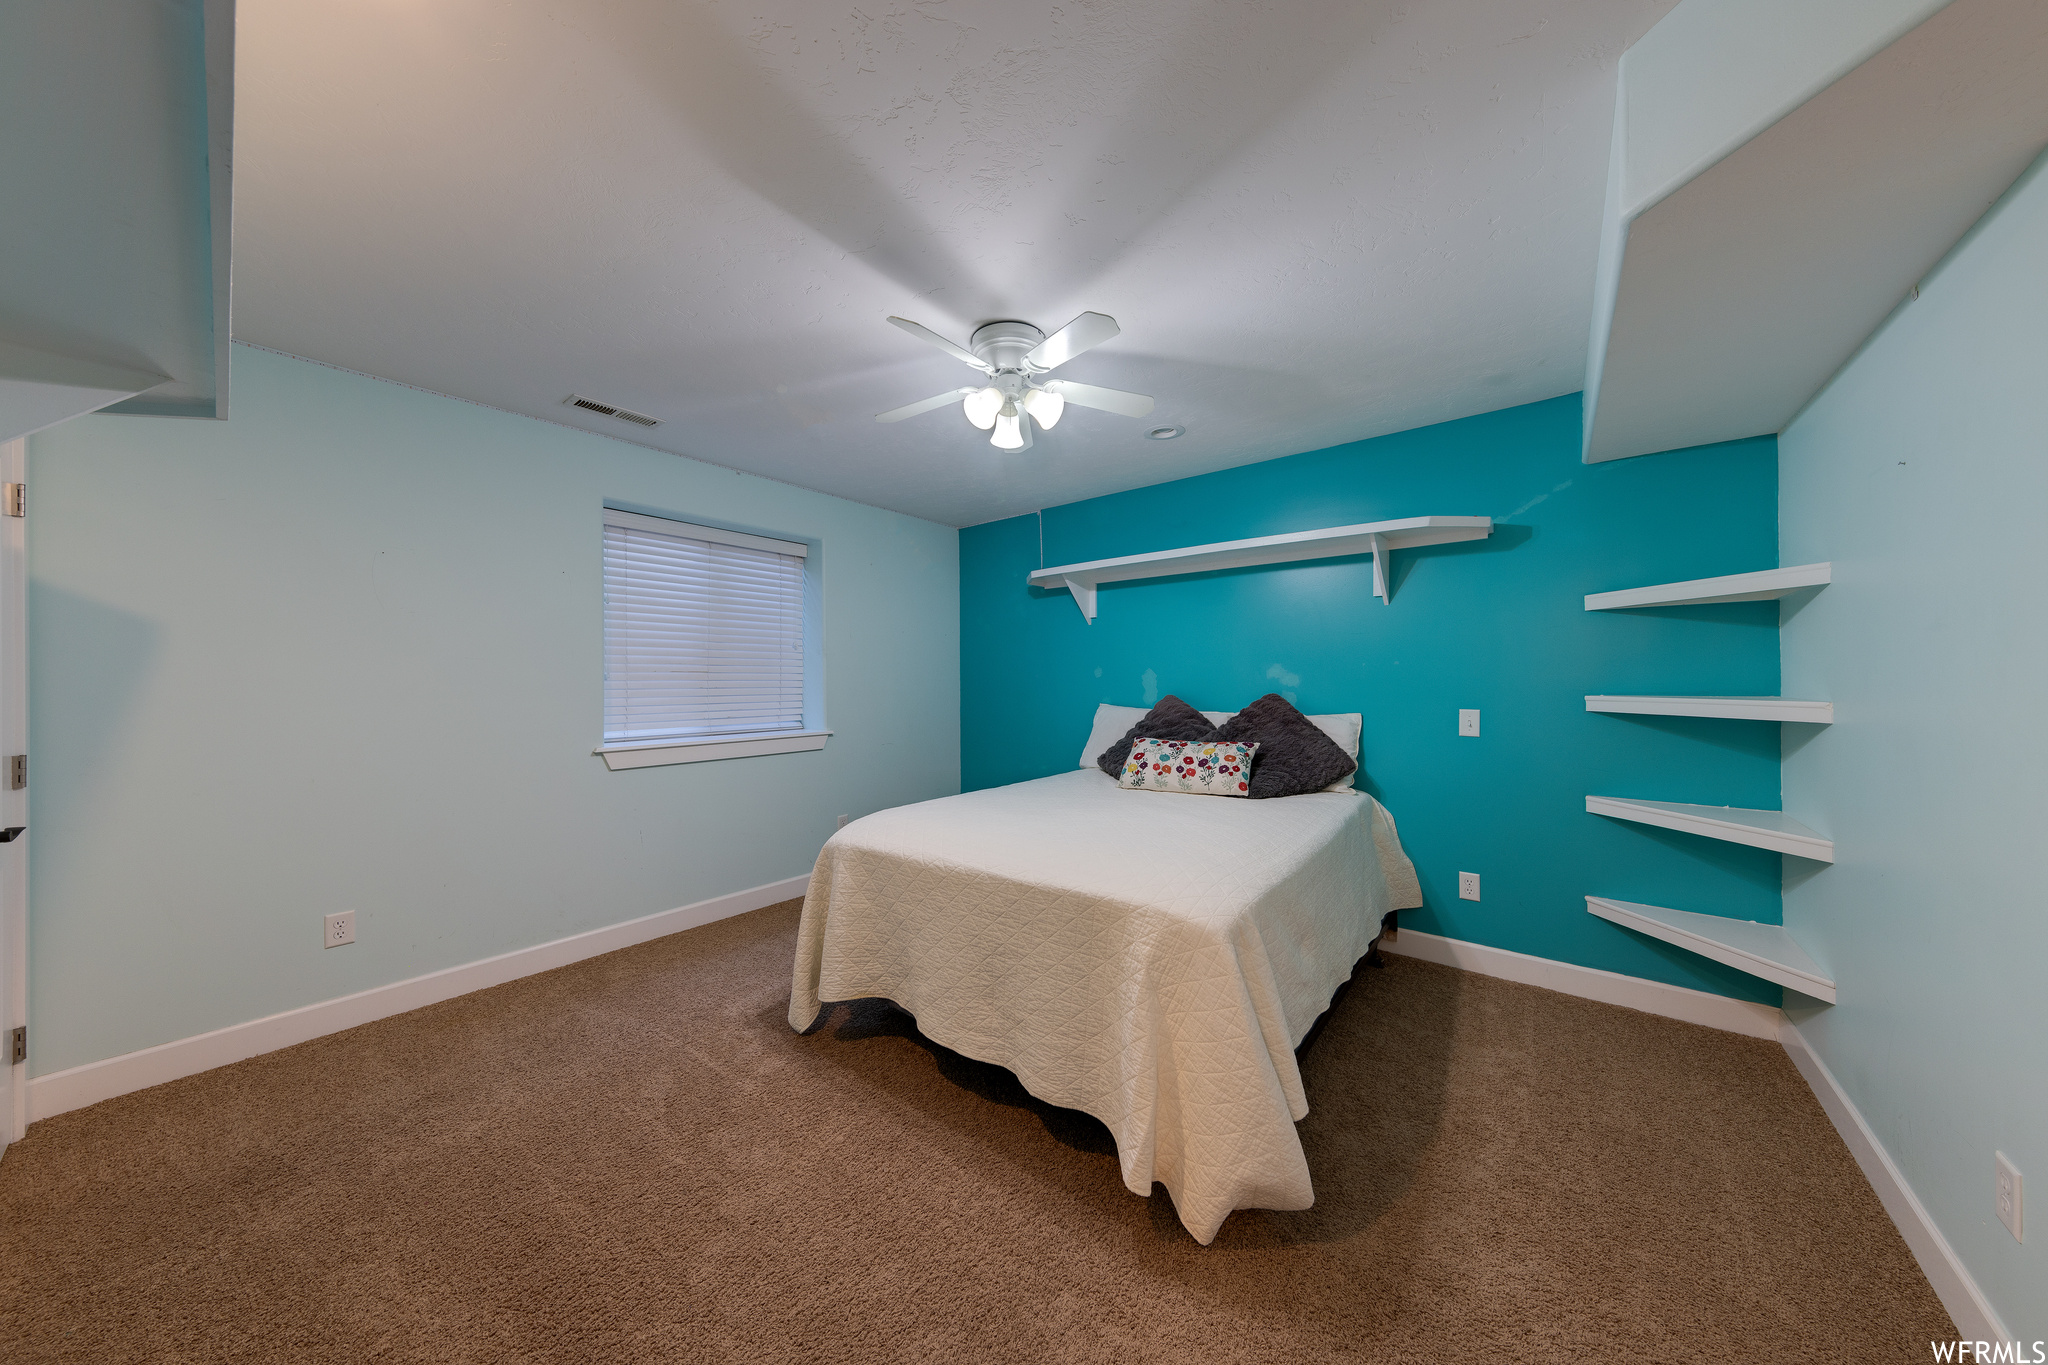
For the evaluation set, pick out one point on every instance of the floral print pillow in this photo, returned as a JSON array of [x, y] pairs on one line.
[[1202, 767]]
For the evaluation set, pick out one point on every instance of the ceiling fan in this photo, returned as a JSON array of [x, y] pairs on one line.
[[1013, 355]]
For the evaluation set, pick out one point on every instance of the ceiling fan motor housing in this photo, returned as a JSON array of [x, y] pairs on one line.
[[1003, 345]]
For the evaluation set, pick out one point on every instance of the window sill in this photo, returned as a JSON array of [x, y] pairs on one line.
[[653, 753]]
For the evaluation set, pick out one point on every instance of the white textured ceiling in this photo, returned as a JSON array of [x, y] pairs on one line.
[[1316, 222]]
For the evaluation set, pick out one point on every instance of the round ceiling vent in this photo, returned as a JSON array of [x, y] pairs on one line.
[[1164, 433]]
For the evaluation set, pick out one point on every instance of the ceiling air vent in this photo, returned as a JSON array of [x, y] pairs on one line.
[[607, 410]]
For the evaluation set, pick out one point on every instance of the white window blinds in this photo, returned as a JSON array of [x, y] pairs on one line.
[[703, 631]]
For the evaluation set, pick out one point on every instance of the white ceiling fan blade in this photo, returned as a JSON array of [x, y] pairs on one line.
[[1108, 400], [924, 405], [1084, 333], [958, 352]]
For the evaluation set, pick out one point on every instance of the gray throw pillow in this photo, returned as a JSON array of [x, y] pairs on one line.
[[1294, 756], [1171, 719]]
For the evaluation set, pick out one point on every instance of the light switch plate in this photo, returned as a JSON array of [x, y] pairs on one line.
[[1468, 724]]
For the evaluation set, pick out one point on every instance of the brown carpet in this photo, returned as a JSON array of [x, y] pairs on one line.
[[634, 1159]]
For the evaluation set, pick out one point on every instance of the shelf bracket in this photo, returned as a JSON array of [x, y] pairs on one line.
[[1084, 597], [1382, 572]]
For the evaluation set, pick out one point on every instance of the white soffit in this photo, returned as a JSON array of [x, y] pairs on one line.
[[118, 163], [40, 388], [1315, 222], [1739, 273]]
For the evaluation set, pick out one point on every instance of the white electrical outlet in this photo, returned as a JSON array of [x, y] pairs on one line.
[[1468, 886], [338, 929], [2011, 1198], [1468, 725], [843, 820]]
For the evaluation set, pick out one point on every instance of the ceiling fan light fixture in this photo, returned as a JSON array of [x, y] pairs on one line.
[[1010, 355], [982, 405], [1045, 407]]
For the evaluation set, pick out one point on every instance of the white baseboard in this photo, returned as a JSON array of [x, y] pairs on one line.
[[79, 1086], [1974, 1316], [1590, 983]]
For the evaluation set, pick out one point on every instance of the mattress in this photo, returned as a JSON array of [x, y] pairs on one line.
[[1150, 958]]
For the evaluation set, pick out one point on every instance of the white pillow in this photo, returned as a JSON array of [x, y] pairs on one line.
[[1112, 722]]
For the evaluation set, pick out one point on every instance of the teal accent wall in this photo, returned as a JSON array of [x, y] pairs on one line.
[[1922, 473], [1499, 625], [344, 652]]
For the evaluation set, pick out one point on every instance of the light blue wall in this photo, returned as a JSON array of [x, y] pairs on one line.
[[1499, 625], [1922, 473], [343, 652]]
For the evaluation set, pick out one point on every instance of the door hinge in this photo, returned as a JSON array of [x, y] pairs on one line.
[[17, 499], [19, 1048], [17, 772]]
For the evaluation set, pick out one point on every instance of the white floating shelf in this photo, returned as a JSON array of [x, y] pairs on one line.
[[1724, 708], [1764, 950], [1760, 586], [1376, 538], [1770, 829]]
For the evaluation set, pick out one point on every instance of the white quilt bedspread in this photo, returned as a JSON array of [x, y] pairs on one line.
[[1150, 958]]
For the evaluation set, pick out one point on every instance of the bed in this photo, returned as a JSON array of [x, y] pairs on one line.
[[1148, 958]]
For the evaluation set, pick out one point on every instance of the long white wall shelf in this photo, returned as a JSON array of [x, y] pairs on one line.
[[1760, 586], [1764, 950], [1724, 708], [1770, 829], [1376, 538]]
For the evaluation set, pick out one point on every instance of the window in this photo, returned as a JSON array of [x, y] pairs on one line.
[[703, 639]]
